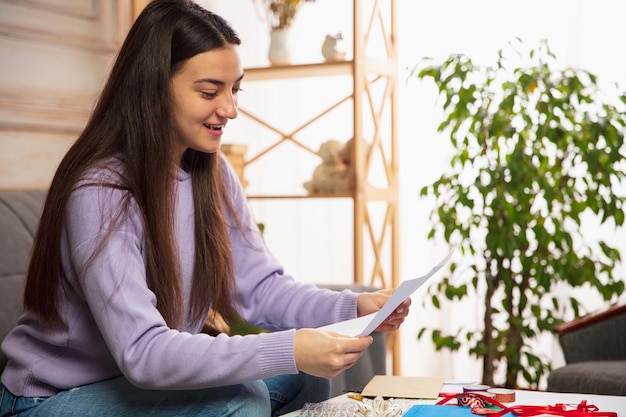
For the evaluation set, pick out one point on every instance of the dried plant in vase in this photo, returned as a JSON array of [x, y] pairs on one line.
[[280, 16], [281, 13]]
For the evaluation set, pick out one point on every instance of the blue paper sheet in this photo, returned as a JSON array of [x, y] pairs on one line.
[[442, 411]]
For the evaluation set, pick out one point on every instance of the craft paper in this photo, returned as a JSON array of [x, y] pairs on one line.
[[388, 386], [365, 325]]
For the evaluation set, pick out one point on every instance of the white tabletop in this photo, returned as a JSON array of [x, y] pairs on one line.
[[603, 402]]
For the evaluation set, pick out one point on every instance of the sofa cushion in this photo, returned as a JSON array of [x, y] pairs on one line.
[[594, 377], [601, 339], [19, 215]]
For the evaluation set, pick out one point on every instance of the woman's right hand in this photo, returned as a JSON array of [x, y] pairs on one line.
[[327, 354]]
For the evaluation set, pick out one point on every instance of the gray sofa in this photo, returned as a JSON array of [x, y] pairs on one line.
[[594, 347], [19, 214]]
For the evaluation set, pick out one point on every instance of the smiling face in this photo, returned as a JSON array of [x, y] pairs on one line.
[[204, 96]]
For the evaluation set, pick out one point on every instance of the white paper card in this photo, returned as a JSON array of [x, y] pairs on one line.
[[365, 325]]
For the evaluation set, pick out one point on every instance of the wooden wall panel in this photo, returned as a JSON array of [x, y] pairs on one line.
[[54, 57], [32, 159]]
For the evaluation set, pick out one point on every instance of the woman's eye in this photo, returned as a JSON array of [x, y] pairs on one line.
[[237, 90], [208, 95]]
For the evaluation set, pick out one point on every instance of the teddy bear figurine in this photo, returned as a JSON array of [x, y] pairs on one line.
[[329, 176], [346, 156]]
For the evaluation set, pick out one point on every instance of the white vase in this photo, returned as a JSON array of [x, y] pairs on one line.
[[279, 51]]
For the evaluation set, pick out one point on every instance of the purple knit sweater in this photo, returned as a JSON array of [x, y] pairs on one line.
[[114, 327]]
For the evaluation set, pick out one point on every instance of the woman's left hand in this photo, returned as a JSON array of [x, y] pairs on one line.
[[371, 302]]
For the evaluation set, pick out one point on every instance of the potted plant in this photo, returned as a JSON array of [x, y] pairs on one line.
[[536, 150]]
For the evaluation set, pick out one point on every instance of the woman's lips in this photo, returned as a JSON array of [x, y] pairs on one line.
[[215, 129]]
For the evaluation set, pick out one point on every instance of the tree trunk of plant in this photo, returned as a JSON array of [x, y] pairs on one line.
[[489, 357], [513, 344], [514, 341]]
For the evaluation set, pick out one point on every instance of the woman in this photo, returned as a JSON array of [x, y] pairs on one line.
[[144, 231]]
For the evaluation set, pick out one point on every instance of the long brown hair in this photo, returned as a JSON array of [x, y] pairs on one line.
[[132, 121]]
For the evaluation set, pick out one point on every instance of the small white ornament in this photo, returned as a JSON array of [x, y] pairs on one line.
[[333, 49], [377, 407]]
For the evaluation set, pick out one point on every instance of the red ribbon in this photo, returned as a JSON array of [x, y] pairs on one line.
[[582, 410]]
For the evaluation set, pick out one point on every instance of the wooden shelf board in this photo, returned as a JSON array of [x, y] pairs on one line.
[[298, 196], [373, 194], [321, 69], [318, 69]]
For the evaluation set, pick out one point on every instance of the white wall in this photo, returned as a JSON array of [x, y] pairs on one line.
[[583, 33]]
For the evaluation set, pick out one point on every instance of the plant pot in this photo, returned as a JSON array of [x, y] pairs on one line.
[[279, 51]]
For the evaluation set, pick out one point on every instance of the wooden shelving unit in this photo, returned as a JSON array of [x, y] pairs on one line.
[[376, 18]]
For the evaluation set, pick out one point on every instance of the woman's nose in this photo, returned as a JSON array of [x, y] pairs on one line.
[[228, 106]]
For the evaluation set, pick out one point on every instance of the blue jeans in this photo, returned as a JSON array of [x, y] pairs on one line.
[[118, 398]]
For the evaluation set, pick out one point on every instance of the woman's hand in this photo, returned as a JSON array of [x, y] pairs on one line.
[[371, 302], [327, 354]]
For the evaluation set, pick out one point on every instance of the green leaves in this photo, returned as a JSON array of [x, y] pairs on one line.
[[442, 341], [537, 149]]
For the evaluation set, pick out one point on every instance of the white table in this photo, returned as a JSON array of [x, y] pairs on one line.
[[603, 402]]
